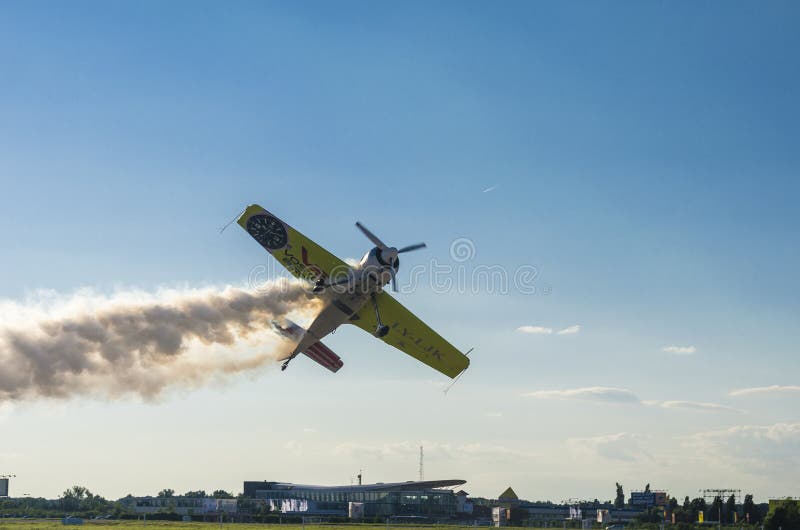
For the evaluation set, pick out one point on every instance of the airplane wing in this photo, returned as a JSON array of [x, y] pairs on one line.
[[301, 256], [411, 335]]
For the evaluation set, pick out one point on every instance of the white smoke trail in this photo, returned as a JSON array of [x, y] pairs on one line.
[[138, 343]]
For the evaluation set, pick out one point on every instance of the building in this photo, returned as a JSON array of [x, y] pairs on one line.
[[546, 511], [463, 504], [648, 499], [508, 498], [397, 499], [200, 506]]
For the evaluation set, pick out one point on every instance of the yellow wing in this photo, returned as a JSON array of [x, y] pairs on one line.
[[301, 256], [411, 335]]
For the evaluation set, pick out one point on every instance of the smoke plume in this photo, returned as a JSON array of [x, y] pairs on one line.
[[139, 343]]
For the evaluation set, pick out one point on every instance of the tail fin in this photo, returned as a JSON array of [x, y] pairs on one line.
[[317, 352], [323, 355]]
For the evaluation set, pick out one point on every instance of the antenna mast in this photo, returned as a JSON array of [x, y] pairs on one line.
[[421, 464]]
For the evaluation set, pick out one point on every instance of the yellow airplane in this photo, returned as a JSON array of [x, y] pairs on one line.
[[351, 295]]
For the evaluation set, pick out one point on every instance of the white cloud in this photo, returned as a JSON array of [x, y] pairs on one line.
[[293, 447], [406, 449], [592, 393], [535, 330], [692, 405], [755, 449], [623, 395], [773, 389], [679, 350], [571, 330], [489, 189], [622, 446], [543, 330], [6, 409]]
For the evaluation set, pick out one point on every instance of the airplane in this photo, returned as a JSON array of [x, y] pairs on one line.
[[350, 295]]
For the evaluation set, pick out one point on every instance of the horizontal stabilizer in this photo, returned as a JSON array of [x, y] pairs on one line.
[[323, 355]]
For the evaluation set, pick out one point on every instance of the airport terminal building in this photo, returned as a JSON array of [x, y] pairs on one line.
[[428, 499]]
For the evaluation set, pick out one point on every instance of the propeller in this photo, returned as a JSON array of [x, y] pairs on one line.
[[392, 252], [372, 237], [409, 248]]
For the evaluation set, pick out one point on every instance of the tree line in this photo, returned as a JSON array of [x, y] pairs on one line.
[[80, 501], [785, 514]]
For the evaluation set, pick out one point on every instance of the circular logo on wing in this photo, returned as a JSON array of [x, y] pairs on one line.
[[268, 231]]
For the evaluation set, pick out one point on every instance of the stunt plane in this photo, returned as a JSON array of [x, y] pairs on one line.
[[350, 295]]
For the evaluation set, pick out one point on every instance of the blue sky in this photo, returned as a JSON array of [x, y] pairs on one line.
[[644, 159]]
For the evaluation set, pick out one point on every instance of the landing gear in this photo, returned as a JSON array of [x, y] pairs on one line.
[[382, 329], [285, 364]]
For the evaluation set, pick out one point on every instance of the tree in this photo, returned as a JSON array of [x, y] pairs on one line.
[[714, 511], [749, 508], [195, 494], [71, 499], [696, 506], [651, 515], [166, 492], [687, 504], [784, 515], [647, 488], [80, 499], [730, 508], [221, 494], [673, 504], [619, 500]]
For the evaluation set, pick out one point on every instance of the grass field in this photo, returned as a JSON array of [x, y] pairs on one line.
[[52, 524]]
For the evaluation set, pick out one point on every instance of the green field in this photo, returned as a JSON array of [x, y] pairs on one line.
[[52, 524]]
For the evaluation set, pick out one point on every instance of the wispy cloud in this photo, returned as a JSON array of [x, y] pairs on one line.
[[489, 189], [679, 350], [6, 409], [591, 393], [755, 448], [293, 447], [535, 330], [405, 449], [571, 330], [623, 446], [773, 389], [623, 395], [544, 330], [692, 405]]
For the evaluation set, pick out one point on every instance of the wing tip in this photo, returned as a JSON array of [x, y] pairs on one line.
[[248, 212]]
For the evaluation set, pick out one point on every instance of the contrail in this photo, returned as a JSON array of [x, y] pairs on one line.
[[139, 343]]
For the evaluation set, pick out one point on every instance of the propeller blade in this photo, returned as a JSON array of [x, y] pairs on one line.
[[372, 237], [394, 282], [409, 248]]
